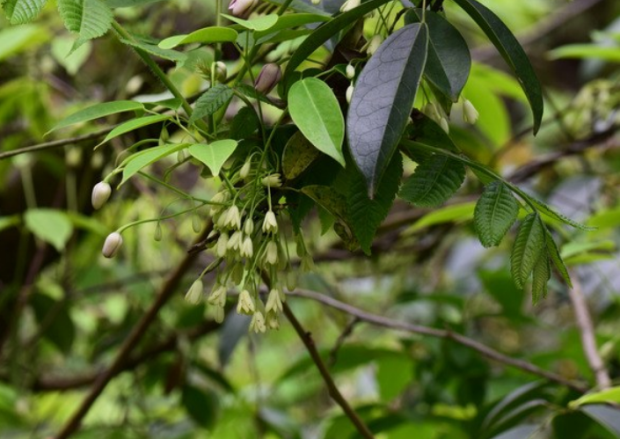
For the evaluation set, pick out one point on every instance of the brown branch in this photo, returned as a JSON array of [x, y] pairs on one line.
[[586, 330], [439, 333], [307, 340], [166, 292]]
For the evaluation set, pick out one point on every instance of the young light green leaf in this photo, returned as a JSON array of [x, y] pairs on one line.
[[88, 18], [456, 213], [315, 110], [208, 35], [49, 225], [290, 21], [511, 51], [540, 278], [135, 163], [588, 51], [132, 125], [606, 396], [365, 215], [298, 155], [260, 23], [382, 100], [97, 111], [215, 154], [449, 61], [22, 11], [433, 181], [496, 211], [556, 258], [19, 38], [211, 101], [527, 248]]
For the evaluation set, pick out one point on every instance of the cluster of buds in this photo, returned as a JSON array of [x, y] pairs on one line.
[[268, 77], [436, 113]]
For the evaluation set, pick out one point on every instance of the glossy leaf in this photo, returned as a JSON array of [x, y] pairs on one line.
[[433, 181], [607, 416], [527, 248], [298, 155], [511, 51], [49, 225], [315, 110], [382, 100], [365, 214], [208, 35], [606, 396], [22, 11], [540, 277], [496, 211], [88, 18], [449, 61], [136, 162], [134, 124], [215, 154], [211, 101], [260, 23], [97, 111]]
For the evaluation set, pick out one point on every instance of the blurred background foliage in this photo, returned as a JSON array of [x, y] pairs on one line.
[[64, 310]]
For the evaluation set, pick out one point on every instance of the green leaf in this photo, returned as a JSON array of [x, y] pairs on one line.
[[151, 49], [511, 51], [496, 211], [542, 274], [434, 181], [134, 124], [88, 18], [70, 59], [289, 21], [9, 221], [22, 11], [208, 35], [606, 396], [260, 23], [202, 405], [383, 98], [211, 101], [298, 155], [449, 61], [16, 39], [135, 163], [607, 416], [49, 225], [548, 211], [215, 154], [365, 215], [315, 110], [590, 51], [326, 31], [456, 213], [554, 255], [527, 248], [97, 111], [54, 319], [327, 197], [129, 3]]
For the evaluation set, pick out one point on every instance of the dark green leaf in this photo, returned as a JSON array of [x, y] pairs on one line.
[[364, 214], [201, 405], [434, 181], [234, 329], [328, 199], [554, 255], [527, 248], [548, 211], [542, 274], [88, 18], [511, 51], [298, 155], [496, 211], [211, 101], [605, 415], [449, 61], [382, 100], [54, 320], [500, 285]]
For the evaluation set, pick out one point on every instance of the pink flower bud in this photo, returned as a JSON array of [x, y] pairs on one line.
[[268, 77], [101, 194], [241, 8], [111, 245]]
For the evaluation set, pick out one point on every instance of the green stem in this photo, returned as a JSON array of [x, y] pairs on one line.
[[151, 220]]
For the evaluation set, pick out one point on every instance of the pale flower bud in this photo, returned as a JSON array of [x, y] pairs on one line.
[[273, 301], [443, 123], [291, 280], [196, 226], [158, 232], [111, 245], [272, 321], [194, 294], [220, 71], [245, 169], [315, 2], [218, 297], [258, 322], [222, 245], [218, 314], [248, 227], [245, 305], [350, 93], [431, 111], [247, 249], [101, 194], [241, 8], [350, 4], [272, 180], [233, 218], [374, 44], [271, 253], [470, 114], [350, 71], [268, 77], [269, 223], [234, 243]]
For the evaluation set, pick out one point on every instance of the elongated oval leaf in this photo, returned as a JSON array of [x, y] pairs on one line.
[[434, 181], [606, 396], [260, 23], [556, 258], [315, 110], [208, 35], [449, 61], [540, 277], [97, 111], [215, 154], [135, 163], [324, 32], [134, 124], [382, 100], [528, 246], [511, 51], [88, 18], [211, 101], [22, 11], [290, 21], [298, 155], [49, 225], [496, 211]]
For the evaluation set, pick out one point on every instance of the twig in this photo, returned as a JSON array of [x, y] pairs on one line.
[[586, 329], [307, 340], [165, 293], [439, 333], [346, 332]]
